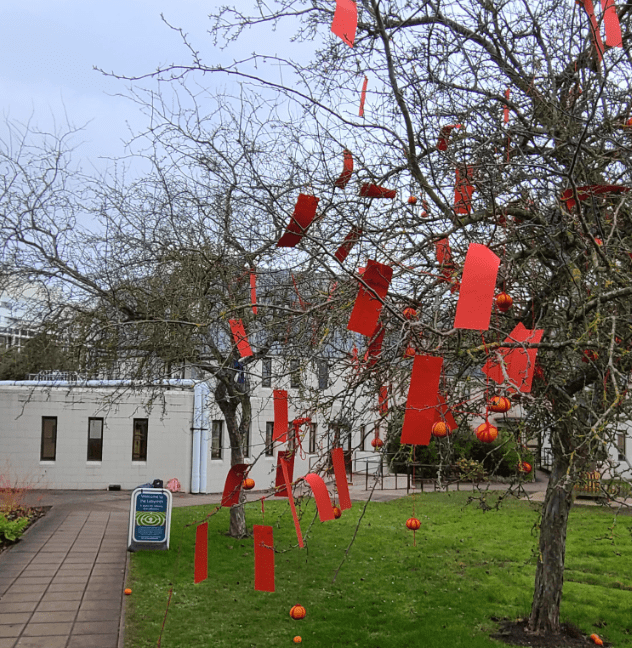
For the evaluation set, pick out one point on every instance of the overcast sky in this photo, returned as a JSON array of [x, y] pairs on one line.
[[48, 49]]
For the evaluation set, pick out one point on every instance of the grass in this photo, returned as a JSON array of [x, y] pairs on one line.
[[468, 566]]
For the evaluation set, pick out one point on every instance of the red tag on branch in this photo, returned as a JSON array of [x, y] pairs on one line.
[[594, 27], [347, 171], [201, 553], [264, 557], [368, 306], [374, 191], [350, 240], [382, 400], [340, 472], [444, 136], [287, 476], [611, 21], [478, 282], [588, 191], [253, 291], [375, 346], [423, 395], [506, 108], [232, 485], [463, 190], [304, 212], [345, 21], [363, 95], [281, 419], [321, 497], [240, 338]]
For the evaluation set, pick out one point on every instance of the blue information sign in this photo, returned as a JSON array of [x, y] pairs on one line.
[[150, 517]]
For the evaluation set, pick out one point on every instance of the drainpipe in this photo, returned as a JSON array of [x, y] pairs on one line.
[[202, 418]]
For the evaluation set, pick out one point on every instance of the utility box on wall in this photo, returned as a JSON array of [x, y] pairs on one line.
[[149, 519]]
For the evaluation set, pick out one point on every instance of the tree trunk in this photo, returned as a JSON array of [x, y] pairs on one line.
[[549, 576]]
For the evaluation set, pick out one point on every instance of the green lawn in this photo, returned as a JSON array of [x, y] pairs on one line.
[[468, 566]]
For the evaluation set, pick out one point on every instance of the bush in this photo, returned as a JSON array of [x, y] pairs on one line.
[[12, 530]]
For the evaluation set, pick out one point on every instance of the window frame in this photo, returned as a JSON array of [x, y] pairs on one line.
[[323, 374], [266, 373], [100, 445], [295, 373], [621, 445], [269, 443], [217, 424], [313, 428], [54, 441], [140, 456]]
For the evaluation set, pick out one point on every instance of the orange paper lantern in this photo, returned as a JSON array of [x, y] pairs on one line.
[[410, 313], [298, 612], [410, 352], [249, 483], [128, 591], [297, 640], [525, 467], [499, 404], [337, 512], [504, 302], [596, 639], [412, 200], [440, 429], [486, 432], [413, 524], [377, 442]]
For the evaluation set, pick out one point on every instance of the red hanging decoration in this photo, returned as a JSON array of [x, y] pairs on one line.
[[201, 553], [288, 488], [369, 190], [444, 136], [504, 302], [463, 190], [594, 26], [345, 21], [367, 307], [506, 108], [337, 513], [440, 429], [525, 467], [410, 313], [304, 213], [350, 240], [377, 442], [264, 558], [248, 484], [233, 484], [486, 432], [240, 338], [499, 404], [340, 473], [588, 191], [279, 481], [383, 400], [347, 170], [281, 419], [253, 291], [363, 95], [422, 400], [374, 351], [298, 612], [611, 21], [321, 497]]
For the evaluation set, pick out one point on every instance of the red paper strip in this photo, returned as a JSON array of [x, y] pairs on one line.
[[345, 21], [474, 308], [586, 192], [240, 338], [338, 460], [443, 413], [443, 251], [369, 190], [375, 346], [506, 108], [519, 363], [594, 26], [304, 212], [382, 400], [279, 482], [288, 487], [363, 95], [201, 553], [350, 240], [422, 400], [611, 21], [367, 308], [444, 136], [253, 291], [321, 496], [463, 191], [347, 170], [264, 557], [281, 418], [232, 485]]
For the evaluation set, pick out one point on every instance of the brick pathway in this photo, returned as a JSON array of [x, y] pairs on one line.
[[62, 585]]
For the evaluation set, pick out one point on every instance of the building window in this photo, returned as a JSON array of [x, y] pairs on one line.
[[266, 373], [269, 437], [295, 374], [364, 436], [216, 439], [95, 439], [621, 445], [49, 438], [139, 446], [312, 438], [323, 374]]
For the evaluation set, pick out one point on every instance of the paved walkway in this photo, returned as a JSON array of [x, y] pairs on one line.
[[62, 585]]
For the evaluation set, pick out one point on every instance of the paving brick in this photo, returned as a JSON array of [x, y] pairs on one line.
[[69, 579], [22, 596], [93, 641], [102, 614], [33, 580], [64, 588], [43, 642], [95, 604], [24, 606], [19, 588], [55, 596], [47, 629], [7, 642], [11, 618], [12, 630], [55, 606], [52, 617], [96, 627]]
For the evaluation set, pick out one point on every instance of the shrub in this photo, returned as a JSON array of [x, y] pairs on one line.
[[11, 530]]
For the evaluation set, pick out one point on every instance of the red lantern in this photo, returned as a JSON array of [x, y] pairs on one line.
[[249, 483], [410, 313], [412, 200], [590, 355], [499, 404], [440, 429], [410, 352], [525, 467], [413, 524], [504, 302], [337, 512], [486, 432], [377, 442], [298, 612]]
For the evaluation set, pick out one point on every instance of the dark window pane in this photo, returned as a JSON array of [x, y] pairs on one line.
[[266, 373], [49, 438], [139, 446], [95, 439], [269, 443], [295, 375], [312, 438], [216, 440], [323, 374]]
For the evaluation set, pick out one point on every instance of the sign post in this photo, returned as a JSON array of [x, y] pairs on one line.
[[149, 519]]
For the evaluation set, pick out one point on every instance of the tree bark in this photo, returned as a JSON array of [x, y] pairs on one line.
[[549, 576]]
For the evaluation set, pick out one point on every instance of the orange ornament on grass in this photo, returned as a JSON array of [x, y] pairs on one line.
[[595, 638], [298, 612], [413, 524], [337, 512], [128, 591]]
